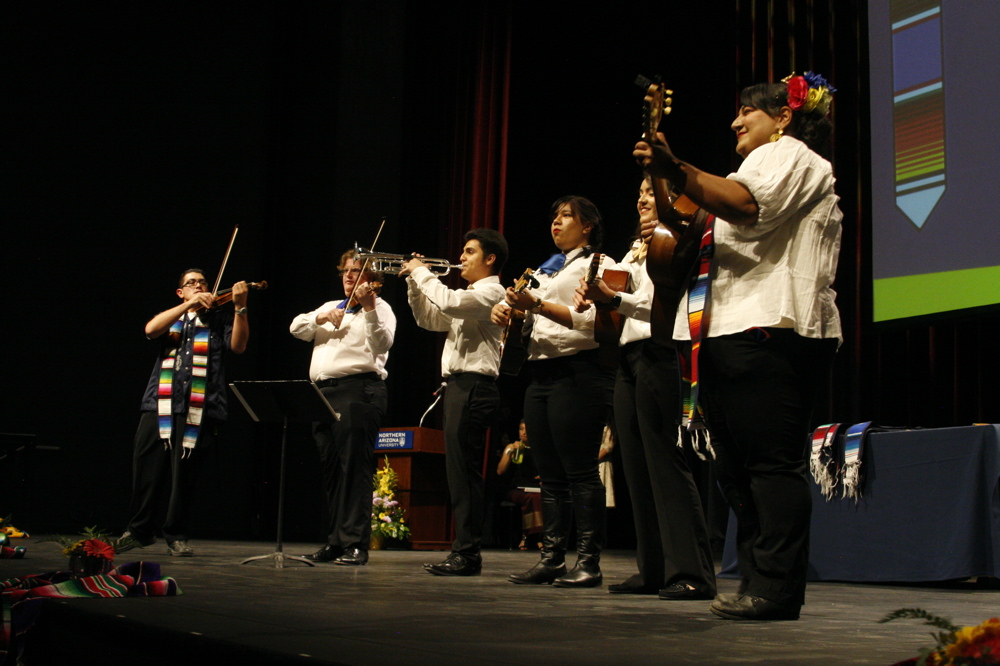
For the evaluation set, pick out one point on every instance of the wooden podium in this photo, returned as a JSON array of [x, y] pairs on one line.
[[417, 456]]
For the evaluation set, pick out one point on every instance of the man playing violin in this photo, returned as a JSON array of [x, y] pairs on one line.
[[470, 365], [351, 340], [183, 407]]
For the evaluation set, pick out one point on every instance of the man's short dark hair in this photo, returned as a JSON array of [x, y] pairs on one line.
[[492, 242], [180, 280]]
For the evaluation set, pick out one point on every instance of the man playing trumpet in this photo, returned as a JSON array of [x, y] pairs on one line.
[[470, 365]]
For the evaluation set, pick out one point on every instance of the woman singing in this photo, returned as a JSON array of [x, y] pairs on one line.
[[568, 400], [770, 327]]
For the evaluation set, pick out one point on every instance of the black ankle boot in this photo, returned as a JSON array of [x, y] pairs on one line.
[[586, 573], [590, 511], [546, 571], [557, 510]]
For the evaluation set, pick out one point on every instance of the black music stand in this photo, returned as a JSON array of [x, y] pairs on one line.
[[285, 401]]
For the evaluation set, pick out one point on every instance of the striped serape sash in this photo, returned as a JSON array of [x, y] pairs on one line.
[[199, 378], [693, 420]]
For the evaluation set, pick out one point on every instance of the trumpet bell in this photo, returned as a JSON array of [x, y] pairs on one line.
[[391, 264]]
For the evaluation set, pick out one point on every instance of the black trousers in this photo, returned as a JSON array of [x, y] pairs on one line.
[[566, 407], [159, 472], [471, 402], [347, 456], [760, 387], [672, 539]]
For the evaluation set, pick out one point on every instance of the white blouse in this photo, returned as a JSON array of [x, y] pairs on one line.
[[778, 271]]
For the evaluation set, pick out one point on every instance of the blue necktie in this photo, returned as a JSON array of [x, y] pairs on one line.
[[553, 264]]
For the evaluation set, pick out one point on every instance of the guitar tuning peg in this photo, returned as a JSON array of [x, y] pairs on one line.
[[667, 110], [669, 92], [668, 101]]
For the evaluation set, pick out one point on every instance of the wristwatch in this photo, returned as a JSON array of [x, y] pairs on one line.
[[616, 301], [537, 307], [241, 311]]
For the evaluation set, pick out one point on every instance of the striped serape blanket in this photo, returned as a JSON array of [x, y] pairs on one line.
[[20, 598]]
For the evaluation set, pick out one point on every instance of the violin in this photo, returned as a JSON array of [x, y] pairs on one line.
[[224, 296], [353, 304]]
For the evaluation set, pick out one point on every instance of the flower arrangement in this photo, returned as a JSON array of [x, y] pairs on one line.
[[93, 550], [955, 645], [388, 519]]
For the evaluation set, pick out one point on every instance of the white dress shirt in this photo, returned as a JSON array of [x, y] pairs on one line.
[[473, 343], [360, 344], [778, 271], [637, 305], [550, 339]]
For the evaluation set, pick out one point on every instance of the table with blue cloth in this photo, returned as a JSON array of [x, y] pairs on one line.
[[929, 511]]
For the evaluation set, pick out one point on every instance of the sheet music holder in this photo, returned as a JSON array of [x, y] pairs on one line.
[[283, 401]]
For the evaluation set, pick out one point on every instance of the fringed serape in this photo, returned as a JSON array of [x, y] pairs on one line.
[[20, 598], [853, 452], [195, 402], [823, 459], [698, 315]]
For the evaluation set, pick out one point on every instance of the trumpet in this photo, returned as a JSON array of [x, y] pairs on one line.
[[391, 264]]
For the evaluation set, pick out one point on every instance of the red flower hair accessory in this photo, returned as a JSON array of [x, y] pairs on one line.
[[809, 92], [798, 91]]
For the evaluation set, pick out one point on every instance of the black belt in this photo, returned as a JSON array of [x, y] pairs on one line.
[[471, 375], [325, 383]]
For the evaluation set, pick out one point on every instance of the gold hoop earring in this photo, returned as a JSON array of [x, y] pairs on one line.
[[777, 135]]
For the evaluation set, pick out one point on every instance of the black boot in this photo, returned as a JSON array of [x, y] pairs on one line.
[[556, 512], [589, 505]]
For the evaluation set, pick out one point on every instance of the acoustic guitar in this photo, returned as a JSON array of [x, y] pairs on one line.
[[608, 323], [513, 353], [673, 249]]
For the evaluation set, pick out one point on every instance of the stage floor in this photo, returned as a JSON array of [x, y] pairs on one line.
[[392, 612]]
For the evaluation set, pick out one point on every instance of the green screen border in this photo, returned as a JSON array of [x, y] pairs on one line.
[[930, 293]]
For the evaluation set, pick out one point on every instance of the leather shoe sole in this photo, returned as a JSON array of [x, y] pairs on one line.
[[455, 565], [444, 570], [353, 557], [540, 574], [753, 608], [324, 554], [632, 585], [628, 588], [685, 592], [139, 543]]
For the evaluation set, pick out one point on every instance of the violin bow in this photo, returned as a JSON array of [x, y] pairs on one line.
[[364, 265], [225, 260]]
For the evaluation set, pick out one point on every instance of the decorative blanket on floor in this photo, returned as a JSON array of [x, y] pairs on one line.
[[20, 598]]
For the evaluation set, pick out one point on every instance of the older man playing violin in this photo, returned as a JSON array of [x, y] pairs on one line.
[[351, 340], [183, 407]]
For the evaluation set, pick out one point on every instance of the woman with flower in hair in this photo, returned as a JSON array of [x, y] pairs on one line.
[[765, 338]]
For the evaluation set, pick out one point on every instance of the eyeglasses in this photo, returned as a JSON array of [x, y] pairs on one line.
[[193, 283], [352, 271]]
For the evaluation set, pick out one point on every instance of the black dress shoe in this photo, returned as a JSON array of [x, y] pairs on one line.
[[632, 585], [753, 608], [682, 591], [327, 553], [455, 564], [353, 557]]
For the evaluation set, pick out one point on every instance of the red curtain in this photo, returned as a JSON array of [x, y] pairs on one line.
[[478, 184]]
